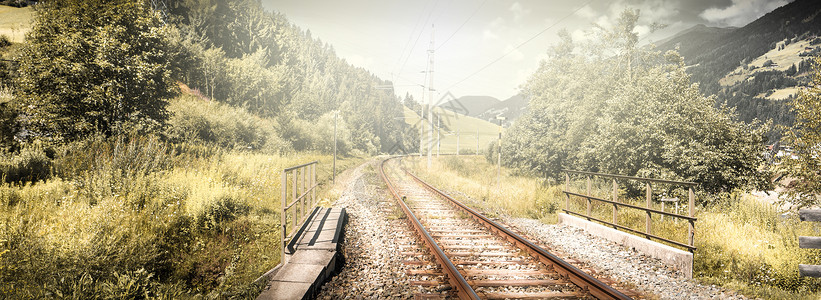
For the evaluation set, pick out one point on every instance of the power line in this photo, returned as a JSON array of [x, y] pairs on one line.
[[421, 30], [463, 24], [520, 45], [410, 38]]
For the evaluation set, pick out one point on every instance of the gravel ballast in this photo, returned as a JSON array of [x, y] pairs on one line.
[[374, 267], [648, 275]]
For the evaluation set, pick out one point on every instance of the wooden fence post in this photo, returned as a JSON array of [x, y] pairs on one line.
[[809, 242]]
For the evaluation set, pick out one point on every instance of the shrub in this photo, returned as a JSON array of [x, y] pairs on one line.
[[317, 135], [200, 121], [30, 165], [4, 41], [223, 210]]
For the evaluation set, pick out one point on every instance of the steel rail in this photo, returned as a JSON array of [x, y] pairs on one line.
[[456, 280], [578, 277]]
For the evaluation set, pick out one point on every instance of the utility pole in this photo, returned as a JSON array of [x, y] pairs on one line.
[[457, 141], [430, 96], [336, 115], [422, 124], [438, 134], [499, 160], [477, 141]]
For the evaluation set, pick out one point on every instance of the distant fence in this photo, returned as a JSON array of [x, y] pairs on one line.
[[647, 208], [302, 199], [809, 242]]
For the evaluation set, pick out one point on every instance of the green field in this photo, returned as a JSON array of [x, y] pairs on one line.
[[15, 22], [466, 127]]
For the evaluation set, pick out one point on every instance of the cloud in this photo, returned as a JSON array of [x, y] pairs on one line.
[[519, 11], [586, 12], [491, 31], [488, 34], [741, 12]]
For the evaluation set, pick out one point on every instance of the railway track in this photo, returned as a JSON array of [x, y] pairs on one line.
[[461, 253]]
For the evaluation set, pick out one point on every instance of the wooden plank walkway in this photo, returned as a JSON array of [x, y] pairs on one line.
[[315, 258]]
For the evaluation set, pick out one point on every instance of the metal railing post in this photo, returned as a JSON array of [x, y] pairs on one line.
[[691, 205], [313, 184], [589, 202], [283, 216], [567, 188], [615, 199], [305, 188], [294, 187], [649, 203]]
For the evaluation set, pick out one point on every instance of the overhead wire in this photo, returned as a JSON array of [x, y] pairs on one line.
[[519, 46], [421, 30], [410, 37], [463, 24]]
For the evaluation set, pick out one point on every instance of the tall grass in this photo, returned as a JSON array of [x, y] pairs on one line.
[[743, 243], [139, 217]]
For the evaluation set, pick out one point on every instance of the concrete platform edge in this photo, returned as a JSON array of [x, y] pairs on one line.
[[288, 288], [677, 258]]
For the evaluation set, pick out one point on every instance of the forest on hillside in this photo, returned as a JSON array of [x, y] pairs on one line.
[[141, 149], [715, 52], [231, 52]]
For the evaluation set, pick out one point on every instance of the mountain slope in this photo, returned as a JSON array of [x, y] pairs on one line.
[[757, 68], [470, 105], [510, 108], [721, 53], [690, 41]]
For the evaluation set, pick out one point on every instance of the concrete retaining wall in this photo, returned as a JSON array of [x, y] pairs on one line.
[[677, 258]]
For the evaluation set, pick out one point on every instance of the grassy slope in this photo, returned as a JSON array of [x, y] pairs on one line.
[[15, 22], [465, 125], [205, 221], [747, 245]]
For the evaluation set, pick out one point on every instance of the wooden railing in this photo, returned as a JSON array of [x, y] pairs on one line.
[[809, 242], [649, 211], [302, 199]]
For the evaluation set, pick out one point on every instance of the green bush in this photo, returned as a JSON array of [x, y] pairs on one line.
[[30, 165], [199, 121], [4, 41], [223, 210], [317, 135]]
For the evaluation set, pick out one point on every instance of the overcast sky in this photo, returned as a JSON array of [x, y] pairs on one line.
[[390, 38]]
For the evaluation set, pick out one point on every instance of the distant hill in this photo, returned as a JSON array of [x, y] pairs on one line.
[[692, 39], [720, 53], [474, 105], [754, 68], [510, 108], [488, 108]]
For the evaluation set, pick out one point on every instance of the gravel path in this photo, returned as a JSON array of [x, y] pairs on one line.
[[373, 269], [647, 274]]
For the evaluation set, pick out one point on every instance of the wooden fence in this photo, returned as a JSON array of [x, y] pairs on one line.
[[647, 209], [809, 242]]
